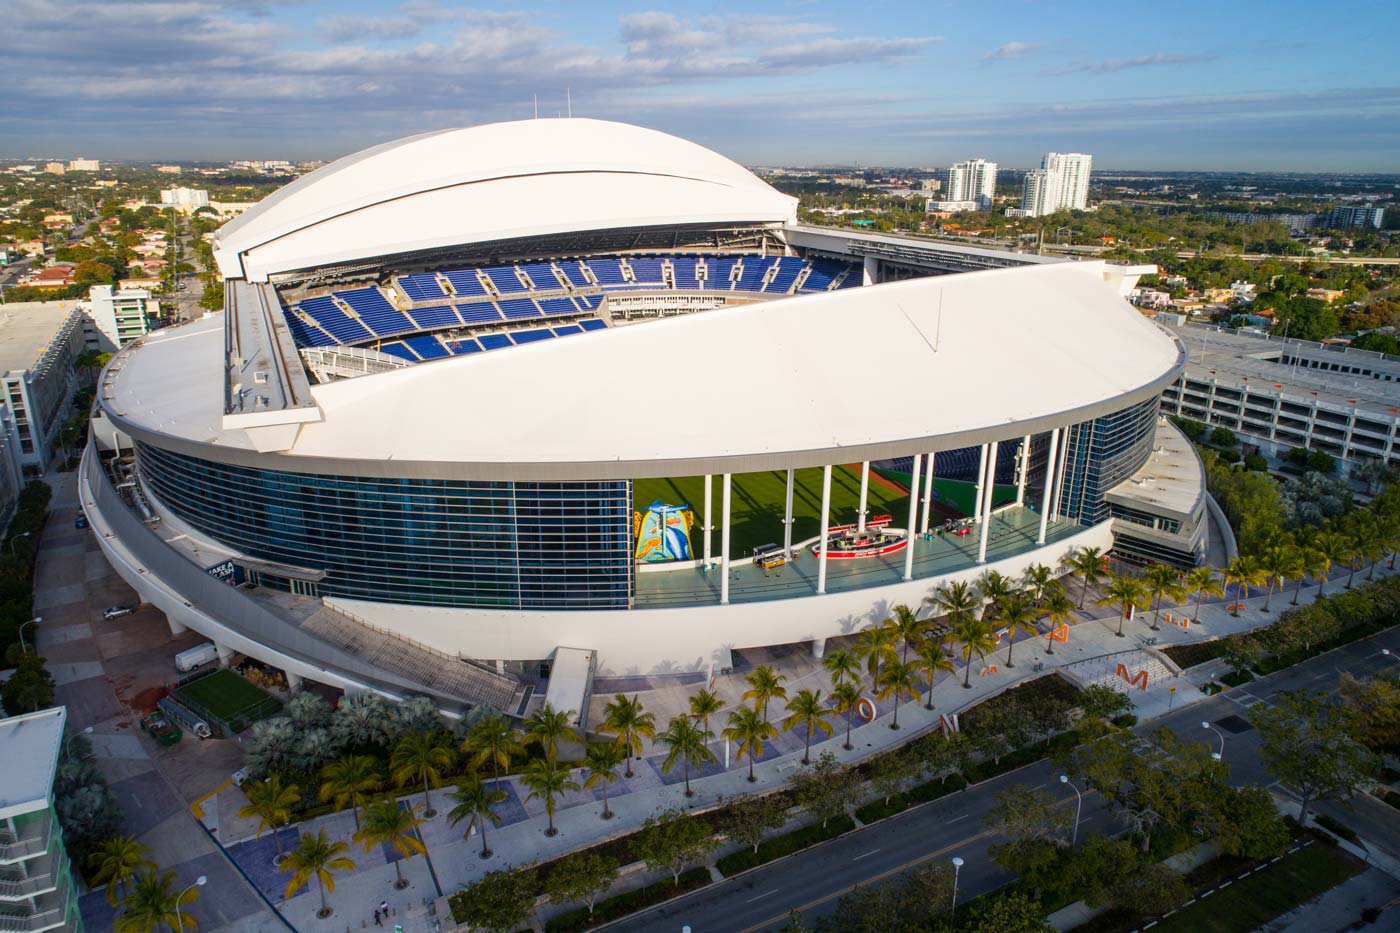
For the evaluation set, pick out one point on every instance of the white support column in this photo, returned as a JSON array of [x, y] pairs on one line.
[[1060, 481], [826, 524], [294, 683], [225, 654], [981, 475], [864, 495], [787, 516], [709, 518], [928, 491], [176, 628], [987, 507], [1049, 485], [913, 514], [1025, 467], [724, 540]]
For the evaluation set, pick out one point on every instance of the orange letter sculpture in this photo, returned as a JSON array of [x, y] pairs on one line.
[[1138, 680]]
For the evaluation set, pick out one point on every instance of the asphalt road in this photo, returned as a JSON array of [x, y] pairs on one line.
[[813, 880]]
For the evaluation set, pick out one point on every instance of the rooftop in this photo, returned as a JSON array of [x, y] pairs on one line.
[[31, 742], [1246, 360], [1171, 479], [27, 328]]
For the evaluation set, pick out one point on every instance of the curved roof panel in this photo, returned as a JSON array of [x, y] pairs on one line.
[[484, 183]]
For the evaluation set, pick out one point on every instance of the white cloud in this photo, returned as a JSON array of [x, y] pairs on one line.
[[1010, 50], [1109, 65]]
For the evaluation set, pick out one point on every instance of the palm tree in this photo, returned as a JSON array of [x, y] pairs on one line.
[[897, 680], [765, 685], [348, 780], [547, 781], [1244, 570], [1333, 548], [906, 624], [1369, 539], [1278, 562], [703, 705], [933, 657], [874, 645], [422, 756], [492, 739], [1163, 582], [475, 801], [627, 720], [1123, 590], [547, 727], [388, 823], [317, 857], [1202, 581], [846, 697], [995, 588], [955, 601], [1017, 612], [808, 710], [977, 637], [116, 863], [688, 742], [150, 905], [1088, 563], [1060, 611], [270, 802], [841, 664], [750, 730], [1038, 579], [602, 761], [1311, 562]]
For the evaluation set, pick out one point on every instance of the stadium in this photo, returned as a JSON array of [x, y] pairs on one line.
[[582, 392]]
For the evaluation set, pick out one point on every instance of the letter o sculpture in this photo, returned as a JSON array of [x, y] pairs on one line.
[[865, 709]]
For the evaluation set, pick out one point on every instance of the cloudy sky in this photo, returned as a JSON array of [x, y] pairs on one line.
[[1169, 85]]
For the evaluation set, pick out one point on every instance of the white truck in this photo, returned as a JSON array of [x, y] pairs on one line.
[[199, 655]]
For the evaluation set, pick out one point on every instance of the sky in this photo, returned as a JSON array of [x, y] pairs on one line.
[[1168, 84]]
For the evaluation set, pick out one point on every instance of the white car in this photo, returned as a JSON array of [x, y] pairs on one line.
[[116, 612]]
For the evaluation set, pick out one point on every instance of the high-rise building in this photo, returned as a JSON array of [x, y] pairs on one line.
[[43, 340], [120, 316], [55, 168], [84, 165], [1061, 183], [185, 199], [1346, 217], [40, 891], [973, 180]]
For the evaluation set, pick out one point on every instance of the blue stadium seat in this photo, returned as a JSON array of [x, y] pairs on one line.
[[437, 316], [541, 274], [495, 341], [398, 349], [504, 278], [824, 272], [717, 270], [532, 336], [593, 323], [334, 321], [573, 271], [427, 346], [516, 308], [375, 311], [305, 334], [481, 312], [788, 269], [854, 278], [421, 286], [557, 306], [645, 270], [606, 271], [566, 330], [683, 267], [459, 347], [464, 282], [751, 279]]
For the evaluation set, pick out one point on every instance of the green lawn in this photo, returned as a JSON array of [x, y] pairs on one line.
[[228, 696], [759, 498], [1264, 895]]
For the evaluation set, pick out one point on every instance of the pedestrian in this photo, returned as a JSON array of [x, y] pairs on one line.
[[384, 906], [377, 921]]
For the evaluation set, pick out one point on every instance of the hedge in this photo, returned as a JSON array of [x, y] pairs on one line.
[[628, 903], [786, 844]]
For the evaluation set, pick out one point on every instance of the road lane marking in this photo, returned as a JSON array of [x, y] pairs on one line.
[[859, 857], [956, 818], [762, 896]]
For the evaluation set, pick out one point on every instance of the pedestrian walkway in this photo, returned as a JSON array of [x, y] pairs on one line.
[[521, 840]]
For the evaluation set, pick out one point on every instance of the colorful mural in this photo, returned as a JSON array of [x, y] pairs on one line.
[[663, 532]]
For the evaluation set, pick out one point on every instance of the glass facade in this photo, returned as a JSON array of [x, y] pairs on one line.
[[1101, 454], [466, 544]]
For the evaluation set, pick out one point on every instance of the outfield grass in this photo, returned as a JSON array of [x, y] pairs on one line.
[[759, 502], [1251, 902], [225, 694]]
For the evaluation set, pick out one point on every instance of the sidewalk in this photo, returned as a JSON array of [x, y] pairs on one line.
[[521, 839]]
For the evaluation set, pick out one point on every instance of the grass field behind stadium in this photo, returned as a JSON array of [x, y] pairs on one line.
[[759, 500]]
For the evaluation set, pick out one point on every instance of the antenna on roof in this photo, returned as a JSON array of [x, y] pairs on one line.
[[569, 96], [537, 106]]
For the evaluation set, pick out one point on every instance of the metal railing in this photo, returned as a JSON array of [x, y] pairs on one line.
[[26, 845]]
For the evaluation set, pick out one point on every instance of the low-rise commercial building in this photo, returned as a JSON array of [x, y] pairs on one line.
[[40, 342], [120, 316]]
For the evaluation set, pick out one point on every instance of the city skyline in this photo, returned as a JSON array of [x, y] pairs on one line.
[[922, 86]]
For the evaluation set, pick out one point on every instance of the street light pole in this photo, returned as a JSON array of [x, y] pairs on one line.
[[199, 882], [22, 646], [1078, 808], [1220, 755], [957, 867], [15, 540]]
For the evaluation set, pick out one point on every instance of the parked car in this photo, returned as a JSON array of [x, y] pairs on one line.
[[116, 612], [80, 522], [198, 656]]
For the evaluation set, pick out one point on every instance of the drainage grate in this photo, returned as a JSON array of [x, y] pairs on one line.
[[1234, 724]]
